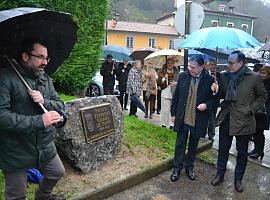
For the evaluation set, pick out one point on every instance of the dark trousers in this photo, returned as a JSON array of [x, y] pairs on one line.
[[123, 100], [259, 141], [133, 109], [180, 148], [108, 90], [158, 100], [225, 142], [211, 123], [16, 182]]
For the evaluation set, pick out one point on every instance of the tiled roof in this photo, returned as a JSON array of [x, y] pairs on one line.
[[142, 28]]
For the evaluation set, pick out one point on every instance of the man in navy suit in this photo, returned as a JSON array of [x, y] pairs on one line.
[[192, 98]]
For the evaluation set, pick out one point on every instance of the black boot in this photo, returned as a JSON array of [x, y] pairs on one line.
[[238, 186], [217, 180], [256, 155]]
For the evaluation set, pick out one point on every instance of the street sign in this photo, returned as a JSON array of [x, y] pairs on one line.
[[196, 18]]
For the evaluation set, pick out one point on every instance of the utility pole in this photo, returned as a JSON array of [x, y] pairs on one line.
[[187, 24]]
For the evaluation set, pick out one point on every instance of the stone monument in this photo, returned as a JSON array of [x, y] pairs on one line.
[[93, 132]]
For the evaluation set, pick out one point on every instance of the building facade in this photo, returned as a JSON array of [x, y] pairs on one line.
[[134, 35], [218, 13]]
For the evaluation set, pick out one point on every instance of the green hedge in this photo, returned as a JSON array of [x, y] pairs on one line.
[[76, 73]]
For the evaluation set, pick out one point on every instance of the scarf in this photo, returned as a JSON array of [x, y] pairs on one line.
[[231, 95]]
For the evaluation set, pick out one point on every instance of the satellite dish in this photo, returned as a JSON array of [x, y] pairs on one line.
[[196, 18]]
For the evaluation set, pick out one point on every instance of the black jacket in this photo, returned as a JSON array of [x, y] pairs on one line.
[[108, 77], [204, 95], [122, 76]]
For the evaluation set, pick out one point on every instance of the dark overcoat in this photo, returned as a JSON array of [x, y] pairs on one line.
[[25, 142], [251, 96], [108, 77], [263, 119], [204, 95], [122, 76]]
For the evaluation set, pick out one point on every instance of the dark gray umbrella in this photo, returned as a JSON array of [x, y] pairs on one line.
[[57, 30], [137, 102]]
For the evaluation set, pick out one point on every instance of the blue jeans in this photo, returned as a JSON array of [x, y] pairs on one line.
[[180, 147]]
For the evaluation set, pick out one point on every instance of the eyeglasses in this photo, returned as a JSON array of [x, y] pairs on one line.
[[231, 63], [40, 57]]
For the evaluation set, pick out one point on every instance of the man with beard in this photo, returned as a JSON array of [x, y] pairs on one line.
[[26, 133]]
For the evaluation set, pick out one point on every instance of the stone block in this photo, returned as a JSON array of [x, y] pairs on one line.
[[87, 153]]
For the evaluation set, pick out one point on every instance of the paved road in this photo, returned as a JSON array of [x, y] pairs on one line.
[[256, 184]]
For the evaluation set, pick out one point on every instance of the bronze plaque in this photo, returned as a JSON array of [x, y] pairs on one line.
[[97, 122]]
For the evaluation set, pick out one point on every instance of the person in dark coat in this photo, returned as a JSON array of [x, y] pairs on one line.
[[262, 117], [211, 67], [108, 72], [122, 76], [26, 132], [191, 100], [243, 93]]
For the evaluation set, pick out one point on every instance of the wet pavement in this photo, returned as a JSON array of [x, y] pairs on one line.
[[264, 162], [256, 181], [256, 186]]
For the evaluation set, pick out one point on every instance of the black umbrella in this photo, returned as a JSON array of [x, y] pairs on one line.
[[57, 30], [142, 53]]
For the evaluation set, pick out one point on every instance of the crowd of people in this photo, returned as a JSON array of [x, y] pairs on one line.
[[188, 103]]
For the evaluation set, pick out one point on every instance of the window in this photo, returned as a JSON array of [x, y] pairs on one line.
[[221, 8], [152, 42], [129, 42], [214, 23], [245, 27], [230, 24], [171, 44]]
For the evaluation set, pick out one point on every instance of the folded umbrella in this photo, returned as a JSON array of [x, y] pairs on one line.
[[137, 102]]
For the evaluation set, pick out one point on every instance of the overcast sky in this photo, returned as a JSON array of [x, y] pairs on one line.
[[267, 2]]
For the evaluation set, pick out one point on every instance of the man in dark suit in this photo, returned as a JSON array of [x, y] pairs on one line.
[[122, 76], [211, 68], [243, 93], [108, 72], [192, 98]]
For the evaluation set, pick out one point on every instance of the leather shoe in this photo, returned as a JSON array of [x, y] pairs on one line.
[[190, 174], [57, 197], [175, 176], [217, 180], [238, 186]]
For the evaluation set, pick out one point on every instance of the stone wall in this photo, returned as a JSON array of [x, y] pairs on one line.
[[71, 140]]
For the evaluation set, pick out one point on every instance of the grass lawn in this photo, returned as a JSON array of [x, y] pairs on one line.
[[137, 133], [156, 141]]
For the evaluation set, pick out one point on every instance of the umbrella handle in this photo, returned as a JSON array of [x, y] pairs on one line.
[[22, 79]]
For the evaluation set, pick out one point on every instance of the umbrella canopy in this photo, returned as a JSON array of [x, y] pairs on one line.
[[57, 30], [119, 53], [220, 37], [251, 54], [159, 58], [142, 53], [136, 100]]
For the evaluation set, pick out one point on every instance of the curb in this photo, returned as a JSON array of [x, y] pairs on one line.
[[135, 179]]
